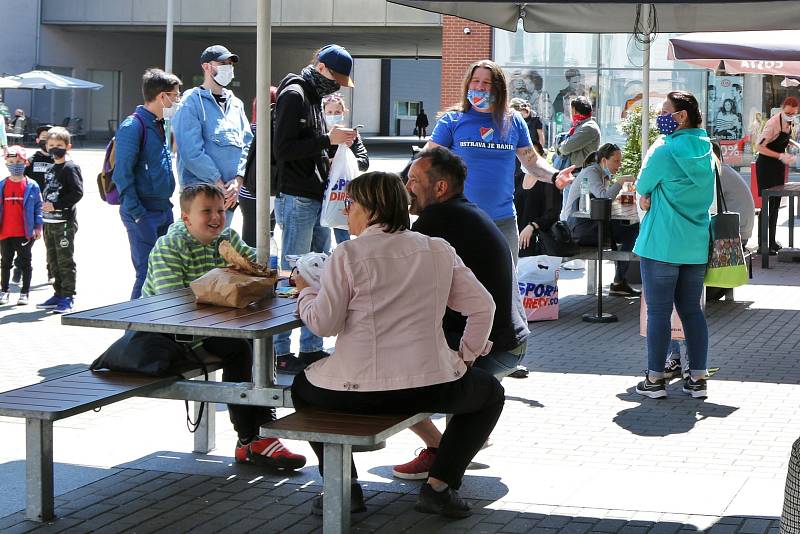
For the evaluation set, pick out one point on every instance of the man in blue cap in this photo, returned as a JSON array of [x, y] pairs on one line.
[[300, 146], [212, 132]]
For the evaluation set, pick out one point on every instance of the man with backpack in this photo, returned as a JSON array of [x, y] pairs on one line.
[[143, 169]]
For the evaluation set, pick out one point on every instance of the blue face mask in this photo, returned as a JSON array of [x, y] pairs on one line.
[[481, 100], [666, 123], [15, 169]]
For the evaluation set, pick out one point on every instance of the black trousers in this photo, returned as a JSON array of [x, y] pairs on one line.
[[622, 235], [237, 356], [21, 247], [774, 208], [475, 400]]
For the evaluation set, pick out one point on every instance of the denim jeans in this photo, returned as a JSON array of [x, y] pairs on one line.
[[341, 235], [665, 285], [301, 233], [501, 361], [142, 237]]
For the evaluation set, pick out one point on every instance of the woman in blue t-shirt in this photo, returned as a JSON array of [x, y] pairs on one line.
[[487, 135]]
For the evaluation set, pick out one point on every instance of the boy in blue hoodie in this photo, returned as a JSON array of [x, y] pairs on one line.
[[143, 169], [20, 222], [212, 132]]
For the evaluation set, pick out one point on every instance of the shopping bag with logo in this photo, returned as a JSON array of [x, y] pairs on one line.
[[537, 277], [726, 265], [344, 168]]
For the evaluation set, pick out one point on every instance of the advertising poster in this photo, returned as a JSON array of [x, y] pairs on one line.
[[725, 116]]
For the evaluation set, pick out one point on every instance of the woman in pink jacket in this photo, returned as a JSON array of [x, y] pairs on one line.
[[384, 295]]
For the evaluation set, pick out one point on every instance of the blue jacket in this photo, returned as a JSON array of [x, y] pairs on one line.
[[678, 174], [32, 206], [212, 143], [142, 174]]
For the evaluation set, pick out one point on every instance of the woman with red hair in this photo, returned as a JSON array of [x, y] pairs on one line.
[[772, 161]]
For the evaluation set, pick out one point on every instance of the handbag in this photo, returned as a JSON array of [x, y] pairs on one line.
[[557, 240], [726, 263]]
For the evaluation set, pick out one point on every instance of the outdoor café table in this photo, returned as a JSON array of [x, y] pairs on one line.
[[791, 190], [177, 313], [619, 212]]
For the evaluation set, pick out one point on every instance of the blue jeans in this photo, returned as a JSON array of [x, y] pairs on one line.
[[341, 235], [301, 233], [504, 362], [142, 237], [665, 285]]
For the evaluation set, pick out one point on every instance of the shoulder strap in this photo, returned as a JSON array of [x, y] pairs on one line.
[[722, 206], [144, 130]]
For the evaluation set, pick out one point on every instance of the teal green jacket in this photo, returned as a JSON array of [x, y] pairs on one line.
[[177, 259], [678, 174]]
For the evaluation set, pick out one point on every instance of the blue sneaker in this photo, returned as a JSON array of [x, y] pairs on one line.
[[50, 303], [65, 305]]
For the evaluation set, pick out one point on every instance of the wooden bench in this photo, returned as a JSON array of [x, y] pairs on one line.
[[51, 400], [340, 433]]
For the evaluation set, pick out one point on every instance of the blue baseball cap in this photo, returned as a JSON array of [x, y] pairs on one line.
[[339, 62]]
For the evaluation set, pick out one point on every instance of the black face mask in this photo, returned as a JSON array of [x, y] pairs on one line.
[[58, 153], [43, 145]]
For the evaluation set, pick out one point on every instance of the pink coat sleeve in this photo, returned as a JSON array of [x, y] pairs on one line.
[[469, 297]]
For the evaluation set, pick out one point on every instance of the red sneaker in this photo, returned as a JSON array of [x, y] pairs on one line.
[[268, 452], [416, 469]]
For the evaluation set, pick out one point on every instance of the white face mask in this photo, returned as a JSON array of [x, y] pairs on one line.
[[224, 75], [169, 113], [330, 120], [788, 118]]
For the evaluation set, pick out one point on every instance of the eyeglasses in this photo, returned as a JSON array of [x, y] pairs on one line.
[[176, 95], [348, 203]]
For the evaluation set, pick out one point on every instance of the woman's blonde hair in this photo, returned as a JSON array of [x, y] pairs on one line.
[[384, 197]]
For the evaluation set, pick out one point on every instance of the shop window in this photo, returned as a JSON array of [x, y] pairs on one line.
[[405, 109]]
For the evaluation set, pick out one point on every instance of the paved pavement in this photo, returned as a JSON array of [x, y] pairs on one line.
[[575, 450]]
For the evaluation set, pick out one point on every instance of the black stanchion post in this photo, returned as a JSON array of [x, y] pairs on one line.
[[600, 212]]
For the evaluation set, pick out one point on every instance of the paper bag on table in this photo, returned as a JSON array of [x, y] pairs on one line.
[[236, 286]]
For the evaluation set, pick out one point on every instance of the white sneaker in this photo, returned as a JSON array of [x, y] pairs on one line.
[[574, 265], [4, 296], [23, 299]]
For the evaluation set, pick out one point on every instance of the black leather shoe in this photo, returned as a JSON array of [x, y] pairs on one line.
[[447, 503], [775, 247], [356, 501], [622, 288]]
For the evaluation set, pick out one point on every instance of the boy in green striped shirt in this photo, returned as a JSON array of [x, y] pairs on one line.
[[188, 251]]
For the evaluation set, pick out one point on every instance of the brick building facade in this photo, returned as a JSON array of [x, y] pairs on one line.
[[459, 50]]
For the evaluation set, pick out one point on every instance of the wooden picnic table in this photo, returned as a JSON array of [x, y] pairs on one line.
[[177, 313]]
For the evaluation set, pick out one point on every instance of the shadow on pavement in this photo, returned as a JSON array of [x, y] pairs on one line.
[[530, 402], [25, 317], [664, 417]]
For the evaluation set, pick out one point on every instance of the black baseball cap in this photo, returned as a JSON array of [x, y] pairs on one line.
[[217, 53]]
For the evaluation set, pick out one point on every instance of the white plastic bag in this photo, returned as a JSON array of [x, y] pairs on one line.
[[344, 168], [537, 277]]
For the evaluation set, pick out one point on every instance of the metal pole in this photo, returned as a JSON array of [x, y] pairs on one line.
[[646, 95], [168, 48], [263, 354], [168, 54]]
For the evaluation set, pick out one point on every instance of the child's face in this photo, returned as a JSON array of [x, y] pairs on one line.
[[11, 160], [206, 218], [52, 143]]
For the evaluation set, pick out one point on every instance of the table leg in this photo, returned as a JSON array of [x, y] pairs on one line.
[[591, 277], [39, 498], [763, 234], [336, 487], [205, 437], [263, 363], [791, 221]]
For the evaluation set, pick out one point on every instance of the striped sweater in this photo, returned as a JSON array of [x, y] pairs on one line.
[[178, 258]]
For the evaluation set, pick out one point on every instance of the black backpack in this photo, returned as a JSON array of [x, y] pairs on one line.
[[250, 166]]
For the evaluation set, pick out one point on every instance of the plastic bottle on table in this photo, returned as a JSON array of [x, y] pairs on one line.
[[273, 253], [583, 203]]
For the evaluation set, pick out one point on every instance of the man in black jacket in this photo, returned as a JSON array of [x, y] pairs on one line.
[[300, 145], [436, 187]]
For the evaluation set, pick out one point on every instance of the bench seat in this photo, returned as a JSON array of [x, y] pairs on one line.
[[43, 403]]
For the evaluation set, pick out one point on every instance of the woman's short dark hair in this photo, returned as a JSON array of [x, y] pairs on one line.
[[604, 152], [733, 106], [582, 105], [190, 192], [384, 197], [685, 101], [156, 81]]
